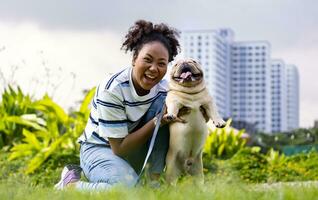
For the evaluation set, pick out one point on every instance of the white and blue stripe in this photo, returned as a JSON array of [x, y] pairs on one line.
[[117, 109]]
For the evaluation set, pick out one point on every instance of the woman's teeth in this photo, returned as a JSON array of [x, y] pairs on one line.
[[151, 77]]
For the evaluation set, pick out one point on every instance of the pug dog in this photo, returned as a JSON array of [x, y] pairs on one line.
[[189, 100]]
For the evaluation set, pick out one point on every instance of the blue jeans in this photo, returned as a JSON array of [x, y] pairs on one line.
[[104, 169]]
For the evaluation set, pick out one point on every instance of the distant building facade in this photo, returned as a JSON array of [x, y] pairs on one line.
[[245, 82], [292, 97], [212, 50], [279, 96], [251, 83]]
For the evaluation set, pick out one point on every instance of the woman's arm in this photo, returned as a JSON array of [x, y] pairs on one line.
[[123, 146]]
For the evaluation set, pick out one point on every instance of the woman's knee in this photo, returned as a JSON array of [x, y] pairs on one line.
[[123, 175], [101, 165]]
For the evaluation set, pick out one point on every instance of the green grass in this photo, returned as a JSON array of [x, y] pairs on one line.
[[212, 189], [15, 185]]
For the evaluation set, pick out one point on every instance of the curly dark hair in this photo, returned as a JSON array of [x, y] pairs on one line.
[[143, 32]]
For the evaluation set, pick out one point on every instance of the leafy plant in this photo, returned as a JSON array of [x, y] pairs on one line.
[[58, 135], [223, 143], [14, 103], [251, 164], [275, 159], [254, 166]]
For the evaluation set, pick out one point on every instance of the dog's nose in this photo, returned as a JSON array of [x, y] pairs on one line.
[[185, 68]]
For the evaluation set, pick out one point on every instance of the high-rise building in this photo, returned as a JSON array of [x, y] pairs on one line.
[[292, 97], [246, 84], [251, 84], [211, 49], [279, 94]]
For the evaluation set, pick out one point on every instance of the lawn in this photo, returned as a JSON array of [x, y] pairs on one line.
[[16, 185], [213, 189]]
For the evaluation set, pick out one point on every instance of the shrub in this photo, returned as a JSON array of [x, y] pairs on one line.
[[250, 164], [14, 103], [253, 166], [223, 143], [57, 138]]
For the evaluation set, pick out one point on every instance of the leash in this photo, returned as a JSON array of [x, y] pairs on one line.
[[153, 138]]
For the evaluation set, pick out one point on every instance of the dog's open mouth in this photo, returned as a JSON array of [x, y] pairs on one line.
[[187, 76]]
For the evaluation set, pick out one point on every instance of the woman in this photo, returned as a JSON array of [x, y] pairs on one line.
[[124, 114]]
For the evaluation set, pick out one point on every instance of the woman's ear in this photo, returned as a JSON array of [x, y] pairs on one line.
[[133, 61]]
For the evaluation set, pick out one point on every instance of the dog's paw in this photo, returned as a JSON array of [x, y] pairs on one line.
[[219, 123], [170, 117]]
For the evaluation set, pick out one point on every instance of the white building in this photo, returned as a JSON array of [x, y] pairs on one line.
[[279, 95], [292, 97], [211, 49], [246, 84], [251, 84]]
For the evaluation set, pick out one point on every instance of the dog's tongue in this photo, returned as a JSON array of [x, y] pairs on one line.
[[185, 75]]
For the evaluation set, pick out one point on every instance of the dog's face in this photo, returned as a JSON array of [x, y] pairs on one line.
[[187, 73]]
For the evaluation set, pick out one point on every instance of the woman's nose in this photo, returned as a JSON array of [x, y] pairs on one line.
[[153, 67]]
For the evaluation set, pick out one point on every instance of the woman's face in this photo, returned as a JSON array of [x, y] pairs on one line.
[[150, 66]]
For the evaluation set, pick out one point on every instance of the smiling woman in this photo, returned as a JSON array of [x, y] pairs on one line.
[[124, 114], [150, 66]]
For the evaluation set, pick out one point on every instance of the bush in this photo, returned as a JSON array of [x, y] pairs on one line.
[[14, 103], [50, 132], [255, 167], [298, 137], [223, 143], [250, 164]]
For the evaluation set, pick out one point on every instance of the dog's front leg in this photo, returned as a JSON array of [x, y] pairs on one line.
[[173, 108], [213, 114]]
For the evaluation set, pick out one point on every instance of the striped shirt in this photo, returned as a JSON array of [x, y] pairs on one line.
[[117, 108]]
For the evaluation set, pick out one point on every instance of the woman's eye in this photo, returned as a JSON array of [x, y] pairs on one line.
[[148, 60], [162, 64]]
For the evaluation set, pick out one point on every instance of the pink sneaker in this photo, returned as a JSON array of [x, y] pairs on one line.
[[70, 174]]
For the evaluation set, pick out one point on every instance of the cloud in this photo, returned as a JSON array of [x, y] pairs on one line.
[[89, 55], [98, 14], [84, 37], [281, 22]]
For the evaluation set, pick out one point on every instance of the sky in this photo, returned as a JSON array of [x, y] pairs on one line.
[[63, 47]]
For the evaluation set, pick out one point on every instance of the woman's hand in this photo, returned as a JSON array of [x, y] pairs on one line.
[[168, 118]]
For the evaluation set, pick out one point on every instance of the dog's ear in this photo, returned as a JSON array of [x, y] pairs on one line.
[[174, 67], [192, 60]]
